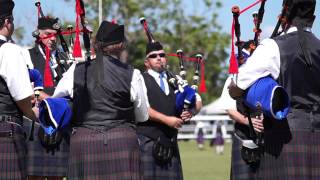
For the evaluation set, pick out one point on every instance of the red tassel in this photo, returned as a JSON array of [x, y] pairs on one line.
[[47, 70], [77, 47], [202, 86], [233, 66], [114, 21]]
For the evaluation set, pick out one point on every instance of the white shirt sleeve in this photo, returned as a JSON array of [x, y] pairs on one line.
[[228, 102], [27, 58], [14, 71], [139, 97], [65, 85], [198, 97], [264, 61]]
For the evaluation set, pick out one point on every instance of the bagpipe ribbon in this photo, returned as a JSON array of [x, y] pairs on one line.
[[48, 82], [77, 47]]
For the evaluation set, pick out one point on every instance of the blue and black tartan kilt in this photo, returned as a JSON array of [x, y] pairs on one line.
[[297, 159], [154, 171], [106, 155], [12, 152], [40, 162], [239, 168]]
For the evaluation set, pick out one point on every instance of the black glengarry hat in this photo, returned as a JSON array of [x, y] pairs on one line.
[[110, 33], [153, 46], [301, 12], [6, 7], [47, 22]]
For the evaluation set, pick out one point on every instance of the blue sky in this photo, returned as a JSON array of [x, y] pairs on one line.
[[26, 15]]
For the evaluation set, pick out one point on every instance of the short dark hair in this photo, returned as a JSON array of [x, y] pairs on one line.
[[109, 49], [301, 13], [3, 19]]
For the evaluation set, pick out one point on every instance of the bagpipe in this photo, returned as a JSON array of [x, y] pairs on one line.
[[64, 57], [54, 115], [281, 19], [264, 97], [185, 94]]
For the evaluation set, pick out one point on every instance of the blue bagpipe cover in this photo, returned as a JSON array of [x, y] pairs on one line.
[[272, 98], [36, 78], [185, 97], [58, 114]]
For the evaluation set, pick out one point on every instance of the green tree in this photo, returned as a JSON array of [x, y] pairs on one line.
[[18, 34], [175, 29]]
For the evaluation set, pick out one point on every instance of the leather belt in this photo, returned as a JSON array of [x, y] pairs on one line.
[[6, 134], [11, 119]]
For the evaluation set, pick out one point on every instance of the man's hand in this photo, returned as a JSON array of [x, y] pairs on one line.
[[170, 121], [36, 111], [257, 124], [186, 116], [174, 122], [234, 91]]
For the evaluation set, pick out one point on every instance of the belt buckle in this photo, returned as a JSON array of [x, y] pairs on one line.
[[11, 134]]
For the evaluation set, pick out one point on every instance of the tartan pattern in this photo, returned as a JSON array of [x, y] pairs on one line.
[[298, 160], [153, 171], [43, 163], [111, 155], [12, 154]]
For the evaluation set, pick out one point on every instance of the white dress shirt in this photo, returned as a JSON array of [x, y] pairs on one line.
[[138, 92], [14, 71], [264, 61], [228, 102], [156, 76]]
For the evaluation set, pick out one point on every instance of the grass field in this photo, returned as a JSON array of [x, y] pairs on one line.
[[204, 164]]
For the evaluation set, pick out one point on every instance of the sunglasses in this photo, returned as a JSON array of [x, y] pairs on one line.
[[156, 55]]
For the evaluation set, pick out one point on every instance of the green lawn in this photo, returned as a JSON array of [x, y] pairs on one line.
[[205, 164]]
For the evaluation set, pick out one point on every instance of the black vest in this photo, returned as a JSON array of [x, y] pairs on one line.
[[160, 102], [7, 105], [300, 81], [39, 63], [102, 93]]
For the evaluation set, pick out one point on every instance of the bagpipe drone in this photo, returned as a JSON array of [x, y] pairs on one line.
[[264, 96], [66, 55], [185, 94], [271, 94]]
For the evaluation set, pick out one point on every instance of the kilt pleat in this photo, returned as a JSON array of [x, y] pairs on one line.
[[299, 159], [43, 163], [12, 154], [112, 154], [152, 170]]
